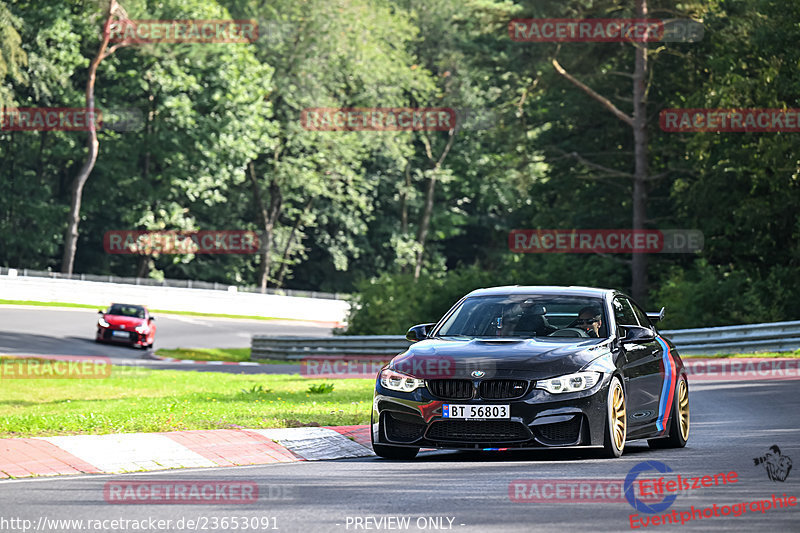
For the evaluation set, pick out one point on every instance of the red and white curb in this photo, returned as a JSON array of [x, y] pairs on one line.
[[138, 452]]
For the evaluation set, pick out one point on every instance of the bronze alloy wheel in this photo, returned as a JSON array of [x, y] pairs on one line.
[[678, 430], [683, 409], [618, 418]]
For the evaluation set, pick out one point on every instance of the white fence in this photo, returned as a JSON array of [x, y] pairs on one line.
[[181, 283], [229, 302]]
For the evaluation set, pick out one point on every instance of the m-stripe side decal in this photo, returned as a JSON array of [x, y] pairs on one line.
[[668, 389]]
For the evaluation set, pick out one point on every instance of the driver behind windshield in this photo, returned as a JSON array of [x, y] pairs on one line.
[[589, 320]]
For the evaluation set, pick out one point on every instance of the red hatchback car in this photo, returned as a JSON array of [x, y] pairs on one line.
[[128, 324]]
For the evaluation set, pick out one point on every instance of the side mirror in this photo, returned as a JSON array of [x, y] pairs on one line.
[[656, 317], [101, 312], [419, 332], [637, 335], [151, 319]]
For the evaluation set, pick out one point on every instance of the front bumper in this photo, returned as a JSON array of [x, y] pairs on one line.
[[133, 338], [538, 419]]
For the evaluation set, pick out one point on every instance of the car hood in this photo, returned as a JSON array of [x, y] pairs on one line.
[[508, 358], [127, 321]]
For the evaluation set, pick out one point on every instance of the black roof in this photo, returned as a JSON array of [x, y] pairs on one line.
[[549, 290]]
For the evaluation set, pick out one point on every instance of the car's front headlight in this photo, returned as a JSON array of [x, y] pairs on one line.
[[396, 381], [569, 383], [102, 323], [141, 329]]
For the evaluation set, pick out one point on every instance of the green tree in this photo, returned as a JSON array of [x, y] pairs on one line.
[[12, 57]]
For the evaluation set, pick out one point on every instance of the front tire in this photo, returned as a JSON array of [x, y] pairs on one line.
[[391, 452], [616, 420], [679, 424]]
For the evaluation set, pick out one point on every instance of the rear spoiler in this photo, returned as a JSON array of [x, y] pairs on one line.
[[656, 317]]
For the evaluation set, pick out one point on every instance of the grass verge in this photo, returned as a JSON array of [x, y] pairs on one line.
[[144, 400]]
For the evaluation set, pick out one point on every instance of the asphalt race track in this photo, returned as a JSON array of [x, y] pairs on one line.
[[732, 423], [70, 331]]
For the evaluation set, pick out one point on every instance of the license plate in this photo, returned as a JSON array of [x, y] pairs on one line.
[[121, 334], [475, 411]]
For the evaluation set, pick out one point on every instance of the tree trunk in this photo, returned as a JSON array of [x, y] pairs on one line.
[[404, 209], [638, 123], [285, 257], [404, 202], [268, 217], [145, 262], [76, 189], [639, 263], [424, 224], [40, 158]]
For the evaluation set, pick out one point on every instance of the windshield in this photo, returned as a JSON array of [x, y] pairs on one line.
[[526, 316], [126, 310]]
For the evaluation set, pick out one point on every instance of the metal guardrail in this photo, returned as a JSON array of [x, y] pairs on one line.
[[267, 347], [771, 337], [178, 283]]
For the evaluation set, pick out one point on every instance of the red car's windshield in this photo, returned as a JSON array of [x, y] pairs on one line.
[[127, 310]]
